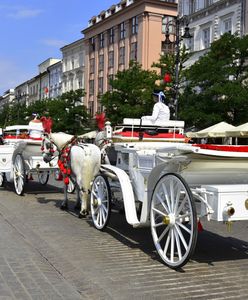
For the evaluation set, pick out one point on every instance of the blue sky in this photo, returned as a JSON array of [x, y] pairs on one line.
[[33, 30]]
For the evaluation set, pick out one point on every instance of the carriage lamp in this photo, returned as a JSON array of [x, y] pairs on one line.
[[228, 210], [176, 23]]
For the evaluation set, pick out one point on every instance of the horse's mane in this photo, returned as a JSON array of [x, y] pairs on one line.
[[61, 139]]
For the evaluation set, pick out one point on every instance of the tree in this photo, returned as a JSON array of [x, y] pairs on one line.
[[167, 66], [67, 111], [131, 96], [217, 87]]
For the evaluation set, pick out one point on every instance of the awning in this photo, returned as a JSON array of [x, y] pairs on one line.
[[217, 130]]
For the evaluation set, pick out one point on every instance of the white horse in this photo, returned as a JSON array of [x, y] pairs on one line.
[[79, 160]]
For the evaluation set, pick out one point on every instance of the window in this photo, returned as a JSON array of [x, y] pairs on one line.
[[101, 62], [133, 51], [111, 59], [227, 25], [100, 85], [92, 66], [192, 6], [167, 24], [122, 56], [92, 44], [122, 31], [91, 87], [91, 108], [191, 42], [135, 25], [72, 63], [206, 38], [111, 35], [101, 40], [110, 77], [208, 3]]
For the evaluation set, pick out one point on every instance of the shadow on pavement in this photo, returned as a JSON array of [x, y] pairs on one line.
[[210, 248]]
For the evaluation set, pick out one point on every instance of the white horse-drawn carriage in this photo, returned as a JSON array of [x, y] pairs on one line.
[[21, 156], [168, 184]]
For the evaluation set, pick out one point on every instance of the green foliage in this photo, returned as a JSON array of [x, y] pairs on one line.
[[132, 94], [67, 112], [217, 85], [167, 64]]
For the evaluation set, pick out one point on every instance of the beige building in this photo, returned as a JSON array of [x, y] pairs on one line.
[[73, 63], [129, 30]]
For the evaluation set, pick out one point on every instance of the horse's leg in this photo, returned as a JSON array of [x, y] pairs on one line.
[[64, 204], [78, 201], [84, 205]]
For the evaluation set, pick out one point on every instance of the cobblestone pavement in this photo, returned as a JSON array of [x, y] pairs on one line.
[[46, 253]]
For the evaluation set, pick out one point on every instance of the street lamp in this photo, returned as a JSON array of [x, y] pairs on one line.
[[177, 22]]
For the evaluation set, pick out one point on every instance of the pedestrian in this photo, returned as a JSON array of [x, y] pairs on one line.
[[161, 111]]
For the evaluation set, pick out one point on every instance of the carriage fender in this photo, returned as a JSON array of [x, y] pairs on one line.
[[127, 193]]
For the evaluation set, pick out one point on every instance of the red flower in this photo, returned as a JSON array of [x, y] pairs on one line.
[[66, 180], [68, 171]]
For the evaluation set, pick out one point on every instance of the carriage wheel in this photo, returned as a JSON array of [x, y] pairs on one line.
[[71, 187], [2, 179], [100, 202], [19, 174], [173, 220], [43, 177]]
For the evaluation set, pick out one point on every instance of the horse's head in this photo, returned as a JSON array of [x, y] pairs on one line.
[[48, 148]]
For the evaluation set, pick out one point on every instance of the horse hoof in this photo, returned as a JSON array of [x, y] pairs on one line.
[[83, 214]]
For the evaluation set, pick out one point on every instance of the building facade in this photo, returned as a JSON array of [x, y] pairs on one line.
[[7, 98], [209, 19], [73, 66], [130, 30], [55, 80]]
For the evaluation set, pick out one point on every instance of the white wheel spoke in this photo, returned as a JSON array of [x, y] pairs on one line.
[[158, 224], [172, 245], [159, 212], [172, 195], [166, 196], [167, 243], [184, 227], [178, 245], [181, 237], [181, 205], [162, 203], [163, 234]]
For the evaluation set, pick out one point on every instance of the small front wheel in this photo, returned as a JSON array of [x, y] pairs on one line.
[[43, 177], [100, 202], [19, 174], [173, 220]]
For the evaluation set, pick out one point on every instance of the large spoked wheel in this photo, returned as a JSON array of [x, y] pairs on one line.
[[71, 186], [100, 202], [173, 220], [19, 174], [43, 177]]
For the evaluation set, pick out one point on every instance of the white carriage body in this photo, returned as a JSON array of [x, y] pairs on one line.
[[29, 147], [218, 179]]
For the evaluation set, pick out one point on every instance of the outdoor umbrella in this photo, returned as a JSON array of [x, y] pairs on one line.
[[217, 130], [239, 131]]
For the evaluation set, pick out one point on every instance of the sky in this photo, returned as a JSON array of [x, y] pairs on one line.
[[33, 30]]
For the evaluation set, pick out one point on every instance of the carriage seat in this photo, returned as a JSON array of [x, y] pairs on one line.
[[166, 124], [61, 139]]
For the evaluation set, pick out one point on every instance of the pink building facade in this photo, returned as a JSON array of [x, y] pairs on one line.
[[130, 30]]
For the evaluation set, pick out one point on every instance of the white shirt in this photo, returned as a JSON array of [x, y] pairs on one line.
[[160, 113]]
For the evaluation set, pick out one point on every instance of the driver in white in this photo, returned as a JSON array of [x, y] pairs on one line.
[[161, 111]]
